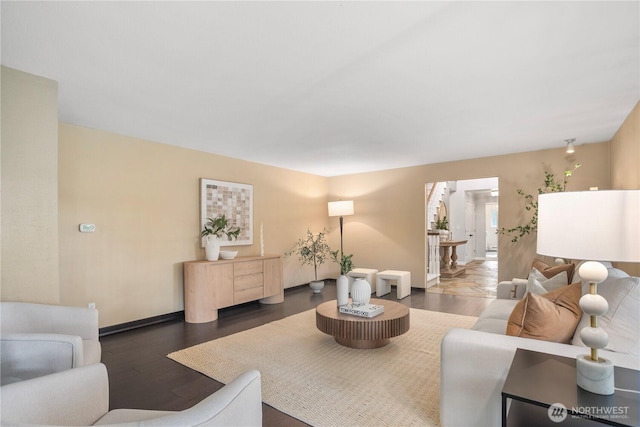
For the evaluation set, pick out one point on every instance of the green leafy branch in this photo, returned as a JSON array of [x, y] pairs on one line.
[[551, 185], [218, 227], [346, 264], [442, 224]]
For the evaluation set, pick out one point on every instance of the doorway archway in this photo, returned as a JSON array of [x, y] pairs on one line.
[[472, 214]]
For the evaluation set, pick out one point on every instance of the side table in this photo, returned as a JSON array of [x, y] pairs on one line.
[[539, 385]]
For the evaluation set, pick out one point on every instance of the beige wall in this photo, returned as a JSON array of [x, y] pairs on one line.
[[625, 164], [29, 188], [144, 199], [387, 230], [625, 153]]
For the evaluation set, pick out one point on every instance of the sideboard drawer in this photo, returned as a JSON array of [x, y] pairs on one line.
[[248, 267], [246, 295], [248, 281]]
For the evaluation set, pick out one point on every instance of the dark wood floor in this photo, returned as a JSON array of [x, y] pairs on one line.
[[141, 376]]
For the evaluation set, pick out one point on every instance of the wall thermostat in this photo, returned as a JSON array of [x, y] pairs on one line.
[[87, 228]]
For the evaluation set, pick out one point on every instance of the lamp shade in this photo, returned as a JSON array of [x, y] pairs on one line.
[[590, 225], [341, 208]]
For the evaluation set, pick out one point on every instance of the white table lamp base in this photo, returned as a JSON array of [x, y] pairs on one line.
[[596, 377]]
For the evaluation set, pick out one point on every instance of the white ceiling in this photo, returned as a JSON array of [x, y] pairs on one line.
[[333, 88]]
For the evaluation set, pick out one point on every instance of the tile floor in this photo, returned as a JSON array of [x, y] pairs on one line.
[[479, 280]]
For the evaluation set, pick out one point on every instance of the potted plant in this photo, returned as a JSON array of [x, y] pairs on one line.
[[213, 231], [312, 250], [442, 224], [342, 283], [346, 264]]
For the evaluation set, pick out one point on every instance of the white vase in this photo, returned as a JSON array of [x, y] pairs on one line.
[[317, 286], [360, 291], [212, 248], [342, 290]]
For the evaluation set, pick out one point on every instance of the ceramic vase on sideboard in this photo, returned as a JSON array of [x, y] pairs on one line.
[[360, 291], [212, 248], [342, 290]]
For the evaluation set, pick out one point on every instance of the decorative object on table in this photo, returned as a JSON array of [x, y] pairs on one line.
[[531, 205], [261, 239], [572, 225], [233, 200], [442, 225], [228, 254], [213, 231], [365, 310], [342, 282], [342, 290], [312, 250], [360, 291]]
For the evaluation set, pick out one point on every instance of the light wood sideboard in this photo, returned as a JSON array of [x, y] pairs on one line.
[[211, 285]]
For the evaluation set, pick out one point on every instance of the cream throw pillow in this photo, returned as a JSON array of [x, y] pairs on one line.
[[539, 284], [622, 320]]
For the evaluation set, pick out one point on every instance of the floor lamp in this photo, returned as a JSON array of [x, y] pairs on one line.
[[341, 208], [591, 225]]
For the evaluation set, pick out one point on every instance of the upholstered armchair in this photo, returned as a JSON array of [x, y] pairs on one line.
[[80, 397], [40, 339]]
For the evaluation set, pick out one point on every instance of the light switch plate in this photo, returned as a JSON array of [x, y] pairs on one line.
[[87, 228]]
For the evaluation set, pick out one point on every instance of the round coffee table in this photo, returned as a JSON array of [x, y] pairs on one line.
[[363, 332]]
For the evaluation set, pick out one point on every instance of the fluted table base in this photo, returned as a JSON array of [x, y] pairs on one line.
[[362, 332]]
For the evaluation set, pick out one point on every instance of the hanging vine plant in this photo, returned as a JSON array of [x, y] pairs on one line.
[[531, 204]]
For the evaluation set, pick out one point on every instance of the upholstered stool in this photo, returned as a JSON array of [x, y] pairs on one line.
[[368, 274], [402, 279]]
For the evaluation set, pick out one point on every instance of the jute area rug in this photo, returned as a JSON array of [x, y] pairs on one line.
[[309, 376]]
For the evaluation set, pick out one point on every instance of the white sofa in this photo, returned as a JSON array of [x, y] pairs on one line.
[[41, 339], [475, 362], [80, 397]]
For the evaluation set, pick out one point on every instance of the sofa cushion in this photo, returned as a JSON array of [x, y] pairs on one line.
[[611, 271], [549, 271], [550, 317], [494, 318], [622, 319], [538, 283]]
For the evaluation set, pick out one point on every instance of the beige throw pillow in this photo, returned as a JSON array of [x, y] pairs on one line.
[[549, 317], [549, 271]]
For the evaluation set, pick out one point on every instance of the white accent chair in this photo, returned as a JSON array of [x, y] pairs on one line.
[[80, 397], [41, 339]]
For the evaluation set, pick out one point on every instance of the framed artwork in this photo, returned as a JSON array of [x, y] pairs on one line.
[[231, 199]]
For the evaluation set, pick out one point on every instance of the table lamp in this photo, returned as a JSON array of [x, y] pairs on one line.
[[341, 208], [593, 226]]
